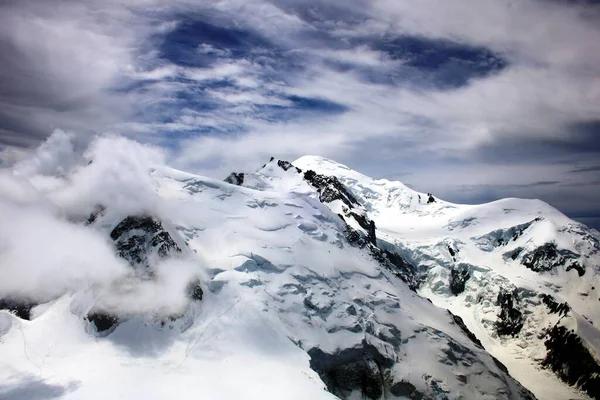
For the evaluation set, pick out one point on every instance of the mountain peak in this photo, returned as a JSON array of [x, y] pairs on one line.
[[326, 166], [323, 278]]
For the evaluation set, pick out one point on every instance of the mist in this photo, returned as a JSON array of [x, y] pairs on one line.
[[46, 248]]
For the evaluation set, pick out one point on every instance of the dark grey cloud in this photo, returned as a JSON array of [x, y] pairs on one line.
[[594, 168], [592, 222], [59, 59]]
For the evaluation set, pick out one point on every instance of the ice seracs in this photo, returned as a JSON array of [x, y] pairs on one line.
[[503, 267]]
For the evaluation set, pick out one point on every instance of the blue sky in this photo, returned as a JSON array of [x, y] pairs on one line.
[[471, 100]]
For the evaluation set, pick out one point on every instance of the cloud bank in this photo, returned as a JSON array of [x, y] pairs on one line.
[[472, 100], [46, 251]]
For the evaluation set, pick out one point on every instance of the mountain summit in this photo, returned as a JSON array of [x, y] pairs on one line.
[[308, 280]]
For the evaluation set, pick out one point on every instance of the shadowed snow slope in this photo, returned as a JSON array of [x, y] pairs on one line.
[[285, 284]]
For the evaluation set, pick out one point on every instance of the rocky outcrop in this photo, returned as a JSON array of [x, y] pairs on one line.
[[403, 269], [458, 280], [353, 237], [554, 306], [194, 290], [330, 189], [512, 254], [363, 369], [103, 321], [235, 178], [286, 165], [19, 307], [98, 211], [577, 267], [459, 321], [388, 259], [548, 257], [371, 233], [452, 252], [137, 237], [515, 232], [571, 361], [502, 237], [406, 390], [367, 224], [510, 320]]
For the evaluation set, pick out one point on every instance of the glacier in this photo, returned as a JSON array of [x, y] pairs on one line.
[[299, 280]]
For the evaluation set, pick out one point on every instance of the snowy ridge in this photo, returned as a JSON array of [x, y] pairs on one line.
[[309, 280], [507, 257]]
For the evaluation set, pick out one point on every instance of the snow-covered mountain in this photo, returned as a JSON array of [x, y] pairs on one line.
[[523, 276], [300, 280]]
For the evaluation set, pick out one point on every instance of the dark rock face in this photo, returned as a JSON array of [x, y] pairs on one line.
[[547, 257], [136, 236], [571, 361], [399, 266], [286, 165], [103, 321], [453, 253], [353, 237], [459, 321], [458, 280], [362, 220], [513, 254], [502, 237], [21, 308], [502, 367], [235, 178], [514, 232], [361, 368], [406, 390], [554, 306], [577, 267], [194, 290], [135, 239], [330, 188], [510, 320], [368, 225], [390, 260], [99, 210], [372, 233]]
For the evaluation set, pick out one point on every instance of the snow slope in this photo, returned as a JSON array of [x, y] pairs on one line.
[[520, 253], [253, 291]]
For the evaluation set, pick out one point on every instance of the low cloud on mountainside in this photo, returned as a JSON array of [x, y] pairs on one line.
[[471, 100], [47, 252]]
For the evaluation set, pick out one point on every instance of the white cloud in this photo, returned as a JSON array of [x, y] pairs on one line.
[[55, 156], [360, 55], [42, 256], [205, 48], [165, 294], [45, 249], [118, 175], [552, 79]]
